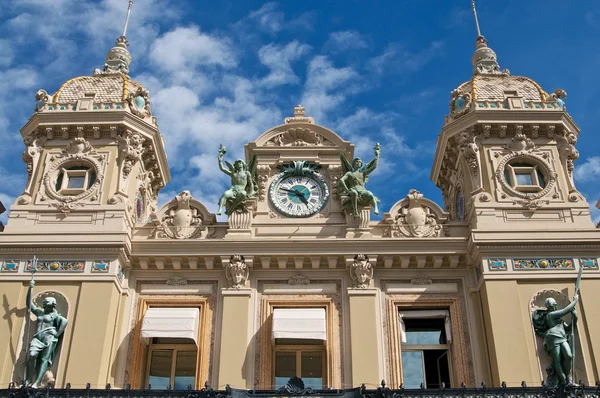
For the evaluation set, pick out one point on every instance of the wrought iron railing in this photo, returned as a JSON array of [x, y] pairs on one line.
[[296, 389]]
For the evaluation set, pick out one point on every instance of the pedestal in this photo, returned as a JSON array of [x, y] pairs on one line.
[[358, 227], [240, 223]]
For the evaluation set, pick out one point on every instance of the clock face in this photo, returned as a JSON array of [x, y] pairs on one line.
[[299, 196]]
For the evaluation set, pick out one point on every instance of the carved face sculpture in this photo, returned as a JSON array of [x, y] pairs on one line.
[[238, 273], [357, 163]]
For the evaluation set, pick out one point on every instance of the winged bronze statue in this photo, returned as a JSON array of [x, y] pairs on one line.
[[243, 183], [351, 186]]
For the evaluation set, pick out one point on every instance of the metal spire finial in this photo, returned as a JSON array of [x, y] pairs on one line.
[[475, 15], [127, 17], [118, 58]]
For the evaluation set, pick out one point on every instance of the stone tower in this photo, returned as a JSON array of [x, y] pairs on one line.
[[504, 162], [96, 162]]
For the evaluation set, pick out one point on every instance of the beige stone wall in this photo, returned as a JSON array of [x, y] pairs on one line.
[[511, 339], [87, 346]]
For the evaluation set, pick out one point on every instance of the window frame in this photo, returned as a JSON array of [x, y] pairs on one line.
[[532, 172], [332, 373], [423, 347], [460, 369], [298, 349], [66, 176], [139, 359], [176, 348]]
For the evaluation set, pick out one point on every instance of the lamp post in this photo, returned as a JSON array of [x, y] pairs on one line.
[[33, 270]]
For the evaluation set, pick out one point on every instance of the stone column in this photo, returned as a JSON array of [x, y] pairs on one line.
[[364, 337], [235, 361]]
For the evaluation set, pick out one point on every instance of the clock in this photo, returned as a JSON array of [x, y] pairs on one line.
[[299, 195]]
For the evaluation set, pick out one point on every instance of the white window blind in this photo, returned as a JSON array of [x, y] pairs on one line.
[[299, 323]]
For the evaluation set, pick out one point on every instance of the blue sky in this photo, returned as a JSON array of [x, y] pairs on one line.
[[226, 71]]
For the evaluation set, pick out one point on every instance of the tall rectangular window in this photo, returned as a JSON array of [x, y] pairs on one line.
[[299, 336], [425, 348], [172, 362]]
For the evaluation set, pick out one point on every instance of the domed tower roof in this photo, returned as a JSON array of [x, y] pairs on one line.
[[491, 88], [109, 88]]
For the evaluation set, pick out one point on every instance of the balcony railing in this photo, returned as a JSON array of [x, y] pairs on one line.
[[295, 388]]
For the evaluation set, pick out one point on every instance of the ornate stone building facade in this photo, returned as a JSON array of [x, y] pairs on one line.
[[299, 281]]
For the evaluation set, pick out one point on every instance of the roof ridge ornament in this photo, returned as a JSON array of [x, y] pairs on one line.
[[118, 58], [299, 116], [484, 59]]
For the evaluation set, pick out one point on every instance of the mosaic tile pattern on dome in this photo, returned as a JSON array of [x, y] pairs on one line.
[[107, 89], [492, 88]]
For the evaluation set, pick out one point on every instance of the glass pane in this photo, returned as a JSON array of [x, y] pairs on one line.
[[311, 369], [76, 182], [185, 370], [425, 331], [160, 369], [285, 367], [524, 178], [412, 369]]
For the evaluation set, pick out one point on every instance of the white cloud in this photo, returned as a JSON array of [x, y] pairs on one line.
[[327, 87], [398, 59], [268, 18], [345, 40], [185, 48], [588, 171], [279, 60]]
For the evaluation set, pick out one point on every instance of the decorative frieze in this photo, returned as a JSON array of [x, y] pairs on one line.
[[497, 264], [588, 263], [9, 266], [58, 266], [100, 266], [543, 263]]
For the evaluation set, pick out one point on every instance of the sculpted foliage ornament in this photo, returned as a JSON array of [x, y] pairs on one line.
[[237, 271], [416, 219], [361, 272], [182, 220], [243, 184], [351, 187]]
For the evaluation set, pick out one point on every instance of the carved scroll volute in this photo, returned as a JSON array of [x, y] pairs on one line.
[[31, 156], [565, 141], [468, 144], [131, 149]]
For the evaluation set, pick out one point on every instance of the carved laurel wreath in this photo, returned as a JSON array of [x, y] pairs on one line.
[[534, 158], [52, 173]]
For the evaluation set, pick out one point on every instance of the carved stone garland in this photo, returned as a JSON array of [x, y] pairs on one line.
[[236, 271], [361, 272], [77, 152]]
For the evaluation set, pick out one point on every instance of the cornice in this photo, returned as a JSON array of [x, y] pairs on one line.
[[266, 247], [487, 116]]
